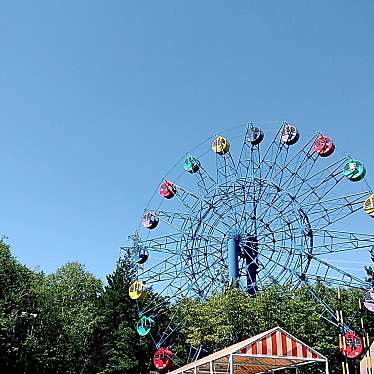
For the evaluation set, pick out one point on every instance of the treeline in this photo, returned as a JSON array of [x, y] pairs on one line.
[[69, 322]]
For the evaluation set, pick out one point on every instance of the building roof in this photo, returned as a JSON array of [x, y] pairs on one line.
[[271, 350]]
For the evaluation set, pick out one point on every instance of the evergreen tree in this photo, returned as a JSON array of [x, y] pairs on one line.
[[116, 346], [17, 313]]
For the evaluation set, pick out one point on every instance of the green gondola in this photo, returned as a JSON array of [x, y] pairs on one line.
[[145, 325], [354, 170], [191, 164]]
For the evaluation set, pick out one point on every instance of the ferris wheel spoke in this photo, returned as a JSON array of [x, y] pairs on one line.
[[326, 242], [183, 222], [319, 214], [306, 189], [176, 291], [321, 248], [299, 165], [205, 182], [172, 288], [162, 244], [176, 220], [173, 244], [326, 212], [287, 271], [226, 176], [273, 148], [250, 157], [174, 324], [269, 168], [158, 303], [320, 184], [167, 270], [282, 168], [222, 216], [327, 312], [201, 223], [206, 278], [187, 198], [313, 192], [225, 171], [274, 168], [320, 270], [299, 168]]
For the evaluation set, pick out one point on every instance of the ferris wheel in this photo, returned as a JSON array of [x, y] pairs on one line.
[[245, 211]]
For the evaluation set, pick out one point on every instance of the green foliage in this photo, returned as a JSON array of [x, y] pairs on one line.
[[18, 287], [67, 305], [227, 318], [46, 322], [116, 345], [67, 322], [233, 316]]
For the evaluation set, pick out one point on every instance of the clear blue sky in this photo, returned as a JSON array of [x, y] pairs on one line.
[[99, 98]]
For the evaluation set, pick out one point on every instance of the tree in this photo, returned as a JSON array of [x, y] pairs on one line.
[[18, 301], [116, 346], [67, 310], [232, 316]]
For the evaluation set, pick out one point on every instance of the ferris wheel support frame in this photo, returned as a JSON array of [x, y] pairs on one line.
[[259, 220]]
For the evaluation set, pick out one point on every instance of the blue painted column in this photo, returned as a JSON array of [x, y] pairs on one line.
[[233, 260]]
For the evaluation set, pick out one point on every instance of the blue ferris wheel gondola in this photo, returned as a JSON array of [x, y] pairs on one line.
[[191, 164]]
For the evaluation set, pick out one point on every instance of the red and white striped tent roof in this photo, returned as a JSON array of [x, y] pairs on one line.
[[272, 350]]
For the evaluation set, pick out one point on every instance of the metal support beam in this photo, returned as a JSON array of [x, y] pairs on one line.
[[233, 260], [231, 364]]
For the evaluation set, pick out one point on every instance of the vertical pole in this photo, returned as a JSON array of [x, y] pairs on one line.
[[366, 360], [233, 252], [211, 367], [327, 367], [231, 364], [342, 342]]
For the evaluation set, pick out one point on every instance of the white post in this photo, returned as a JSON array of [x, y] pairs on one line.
[[211, 367], [327, 367], [231, 363]]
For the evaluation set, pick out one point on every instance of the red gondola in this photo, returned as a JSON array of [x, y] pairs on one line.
[[323, 146], [168, 189], [353, 346], [163, 359]]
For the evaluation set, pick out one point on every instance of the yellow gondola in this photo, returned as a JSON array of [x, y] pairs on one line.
[[137, 290], [220, 145], [369, 205]]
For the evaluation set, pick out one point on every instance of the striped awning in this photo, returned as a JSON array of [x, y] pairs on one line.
[[266, 352], [279, 343]]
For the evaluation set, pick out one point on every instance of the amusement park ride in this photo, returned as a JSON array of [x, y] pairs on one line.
[[262, 213]]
